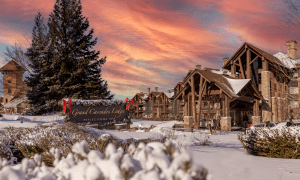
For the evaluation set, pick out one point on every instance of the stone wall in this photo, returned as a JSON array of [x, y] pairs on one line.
[[265, 91], [225, 123]]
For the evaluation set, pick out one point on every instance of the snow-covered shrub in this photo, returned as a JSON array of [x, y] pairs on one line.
[[40, 140], [5, 151], [200, 140], [277, 143], [152, 161]]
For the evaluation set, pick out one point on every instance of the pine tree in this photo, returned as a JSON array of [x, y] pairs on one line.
[[36, 54], [75, 67]]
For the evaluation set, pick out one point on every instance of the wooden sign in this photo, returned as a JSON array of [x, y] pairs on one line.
[[98, 114]]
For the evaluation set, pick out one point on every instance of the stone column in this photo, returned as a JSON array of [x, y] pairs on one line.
[[274, 109], [256, 119], [188, 121], [225, 123], [226, 119], [279, 115], [298, 90], [265, 90]]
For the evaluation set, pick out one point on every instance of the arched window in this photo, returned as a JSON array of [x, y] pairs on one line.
[[9, 91], [9, 81]]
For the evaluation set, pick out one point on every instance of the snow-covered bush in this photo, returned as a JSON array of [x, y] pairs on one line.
[[152, 161], [277, 143], [200, 140], [40, 139]]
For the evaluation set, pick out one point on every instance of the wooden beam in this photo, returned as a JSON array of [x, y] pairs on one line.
[[248, 67], [246, 98], [193, 98], [196, 125], [240, 54], [265, 64], [233, 68], [254, 52], [241, 68], [253, 59]]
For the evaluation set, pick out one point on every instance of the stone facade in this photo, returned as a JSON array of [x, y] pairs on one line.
[[225, 123], [279, 115], [256, 119], [274, 109], [188, 121], [265, 91]]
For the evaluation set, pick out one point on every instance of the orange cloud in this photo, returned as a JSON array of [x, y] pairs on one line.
[[155, 43]]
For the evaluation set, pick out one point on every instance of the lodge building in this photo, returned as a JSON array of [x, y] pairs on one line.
[[14, 98], [252, 85]]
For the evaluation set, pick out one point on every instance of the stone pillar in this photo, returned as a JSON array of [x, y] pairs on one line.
[[274, 109], [298, 90], [279, 115], [256, 119], [188, 121], [225, 123], [284, 110], [265, 90]]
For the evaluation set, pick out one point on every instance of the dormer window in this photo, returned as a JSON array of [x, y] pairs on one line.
[[9, 91]]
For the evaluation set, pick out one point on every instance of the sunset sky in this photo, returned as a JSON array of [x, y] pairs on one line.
[[154, 43]]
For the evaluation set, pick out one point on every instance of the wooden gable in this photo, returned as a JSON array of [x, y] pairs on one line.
[[12, 66], [248, 58]]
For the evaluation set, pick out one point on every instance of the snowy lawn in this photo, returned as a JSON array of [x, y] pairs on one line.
[[28, 121], [225, 158]]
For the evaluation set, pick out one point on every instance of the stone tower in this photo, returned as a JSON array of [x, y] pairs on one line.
[[12, 79]]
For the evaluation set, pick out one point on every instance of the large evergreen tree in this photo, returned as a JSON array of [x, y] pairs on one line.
[[76, 69], [37, 53]]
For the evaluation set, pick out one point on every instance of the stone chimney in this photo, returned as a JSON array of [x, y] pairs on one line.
[[156, 89], [148, 91], [225, 59], [292, 49], [198, 67]]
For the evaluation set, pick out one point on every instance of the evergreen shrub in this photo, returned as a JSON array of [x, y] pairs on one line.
[[275, 143]]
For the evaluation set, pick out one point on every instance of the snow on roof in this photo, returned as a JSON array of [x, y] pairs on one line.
[[13, 103], [266, 98], [286, 60], [222, 72], [237, 84], [144, 96], [104, 102], [169, 94]]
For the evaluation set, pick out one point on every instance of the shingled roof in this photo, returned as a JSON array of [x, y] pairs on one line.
[[12, 66], [268, 56], [231, 86]]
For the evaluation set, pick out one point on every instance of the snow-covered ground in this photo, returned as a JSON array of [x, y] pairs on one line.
[[225, 158], [28, 121]]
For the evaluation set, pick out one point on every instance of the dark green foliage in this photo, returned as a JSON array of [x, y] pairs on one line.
[[76, 68], [275, 143], [63, 62], [37, 53]]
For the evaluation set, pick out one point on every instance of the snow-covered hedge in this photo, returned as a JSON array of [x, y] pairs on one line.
[[98, 102], [275, 142], [57, 105], [152, 161]]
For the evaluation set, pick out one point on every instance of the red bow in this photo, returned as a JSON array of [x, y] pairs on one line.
[[65, 104], [129, 101]]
